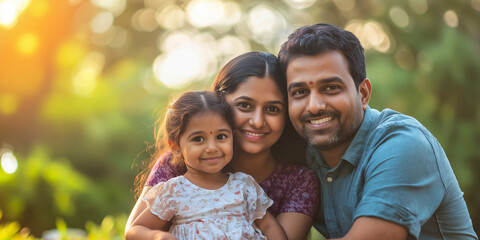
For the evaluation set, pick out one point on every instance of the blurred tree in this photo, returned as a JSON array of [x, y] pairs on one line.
[[82, 78]]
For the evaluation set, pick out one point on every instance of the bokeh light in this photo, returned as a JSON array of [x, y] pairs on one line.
[[371, 34], [186, 57], [300, 4], [204, 13], [419, 6], [450, 18], [399, 17], [265, 23], [10, 10], [28, 43], [9, 162]]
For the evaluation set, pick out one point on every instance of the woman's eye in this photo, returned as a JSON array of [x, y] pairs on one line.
[[222, 137], [244, 106], [272, 109], [198, 139]]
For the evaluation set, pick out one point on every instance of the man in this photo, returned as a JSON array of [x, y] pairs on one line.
[[383, 175]]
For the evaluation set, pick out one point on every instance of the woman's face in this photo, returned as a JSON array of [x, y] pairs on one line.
[[259, 111]]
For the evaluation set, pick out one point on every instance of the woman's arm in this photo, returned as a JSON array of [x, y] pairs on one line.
[[296, 225], [146, 226], [270, 227]]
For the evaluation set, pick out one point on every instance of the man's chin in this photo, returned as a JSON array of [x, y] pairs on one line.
[[324, 143]]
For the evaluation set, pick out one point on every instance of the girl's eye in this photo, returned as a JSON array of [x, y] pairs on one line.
[[198, 139], [222, 137]]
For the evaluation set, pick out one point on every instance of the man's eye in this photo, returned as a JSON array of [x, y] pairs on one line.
[[222, 137], [299, 92], [198, 139], [332, 88]]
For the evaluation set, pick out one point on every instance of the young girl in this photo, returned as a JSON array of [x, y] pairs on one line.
[[206, 202]]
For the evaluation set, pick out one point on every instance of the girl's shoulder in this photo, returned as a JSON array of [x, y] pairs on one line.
[[240, 176]]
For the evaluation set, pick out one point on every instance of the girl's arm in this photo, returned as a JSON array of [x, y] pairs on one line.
[[270, 227], [146, 226]]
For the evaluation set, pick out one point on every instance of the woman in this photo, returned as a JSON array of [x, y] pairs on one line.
[[265, 142]]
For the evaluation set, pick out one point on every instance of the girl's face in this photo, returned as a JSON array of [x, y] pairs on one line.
[[206, 145], [259, 111]]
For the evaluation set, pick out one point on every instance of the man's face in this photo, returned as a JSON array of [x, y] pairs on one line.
[[325, 107]]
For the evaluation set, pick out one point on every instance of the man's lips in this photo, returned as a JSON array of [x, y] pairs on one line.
[[319, 121]]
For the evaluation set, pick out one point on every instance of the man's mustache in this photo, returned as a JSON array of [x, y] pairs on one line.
[[320, 114]]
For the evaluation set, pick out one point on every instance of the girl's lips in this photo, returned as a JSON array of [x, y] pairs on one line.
[[211, 159]]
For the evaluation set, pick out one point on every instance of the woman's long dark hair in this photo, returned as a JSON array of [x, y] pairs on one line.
[[290, 146]]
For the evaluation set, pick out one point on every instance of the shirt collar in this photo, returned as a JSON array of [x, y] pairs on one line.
[[355, 149]]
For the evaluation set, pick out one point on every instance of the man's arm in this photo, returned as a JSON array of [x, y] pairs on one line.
[[371, 228]]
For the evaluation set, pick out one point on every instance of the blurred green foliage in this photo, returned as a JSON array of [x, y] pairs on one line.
[[84, 127]]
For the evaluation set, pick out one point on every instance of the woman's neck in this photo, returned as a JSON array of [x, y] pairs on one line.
[[260, 165]]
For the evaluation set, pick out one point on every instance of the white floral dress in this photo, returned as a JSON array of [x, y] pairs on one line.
[[228, 212]]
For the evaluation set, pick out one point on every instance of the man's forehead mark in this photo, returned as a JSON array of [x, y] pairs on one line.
[[211, 132], [310, 82]]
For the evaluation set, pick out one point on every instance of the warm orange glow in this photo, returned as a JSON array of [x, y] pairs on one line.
[[40, 8], [8, 104], [27, 43]]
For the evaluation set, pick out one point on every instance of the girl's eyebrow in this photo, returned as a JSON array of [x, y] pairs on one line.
[[200, 132], [224, 130], [194, 133]]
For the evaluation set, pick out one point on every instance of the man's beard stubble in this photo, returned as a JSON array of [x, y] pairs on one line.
[[343, 133]]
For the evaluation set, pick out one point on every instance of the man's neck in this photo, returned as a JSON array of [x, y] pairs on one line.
[[333, 156]]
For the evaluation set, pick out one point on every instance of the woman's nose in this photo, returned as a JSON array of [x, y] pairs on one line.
[[257, 119]]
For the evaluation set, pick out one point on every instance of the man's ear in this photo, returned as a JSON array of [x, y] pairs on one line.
[[365, 90]]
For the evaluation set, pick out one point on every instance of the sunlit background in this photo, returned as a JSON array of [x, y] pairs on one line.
[[81, 83]]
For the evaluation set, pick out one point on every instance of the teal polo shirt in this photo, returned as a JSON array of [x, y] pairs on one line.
[[394, 169]]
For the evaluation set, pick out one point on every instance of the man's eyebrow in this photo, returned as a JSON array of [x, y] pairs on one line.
[[323, 81], [295, 85]]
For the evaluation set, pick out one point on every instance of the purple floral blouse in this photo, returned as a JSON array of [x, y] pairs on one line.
[[292, 188]]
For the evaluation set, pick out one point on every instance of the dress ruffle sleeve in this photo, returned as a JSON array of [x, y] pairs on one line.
[[257, 200], [161, 201]]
